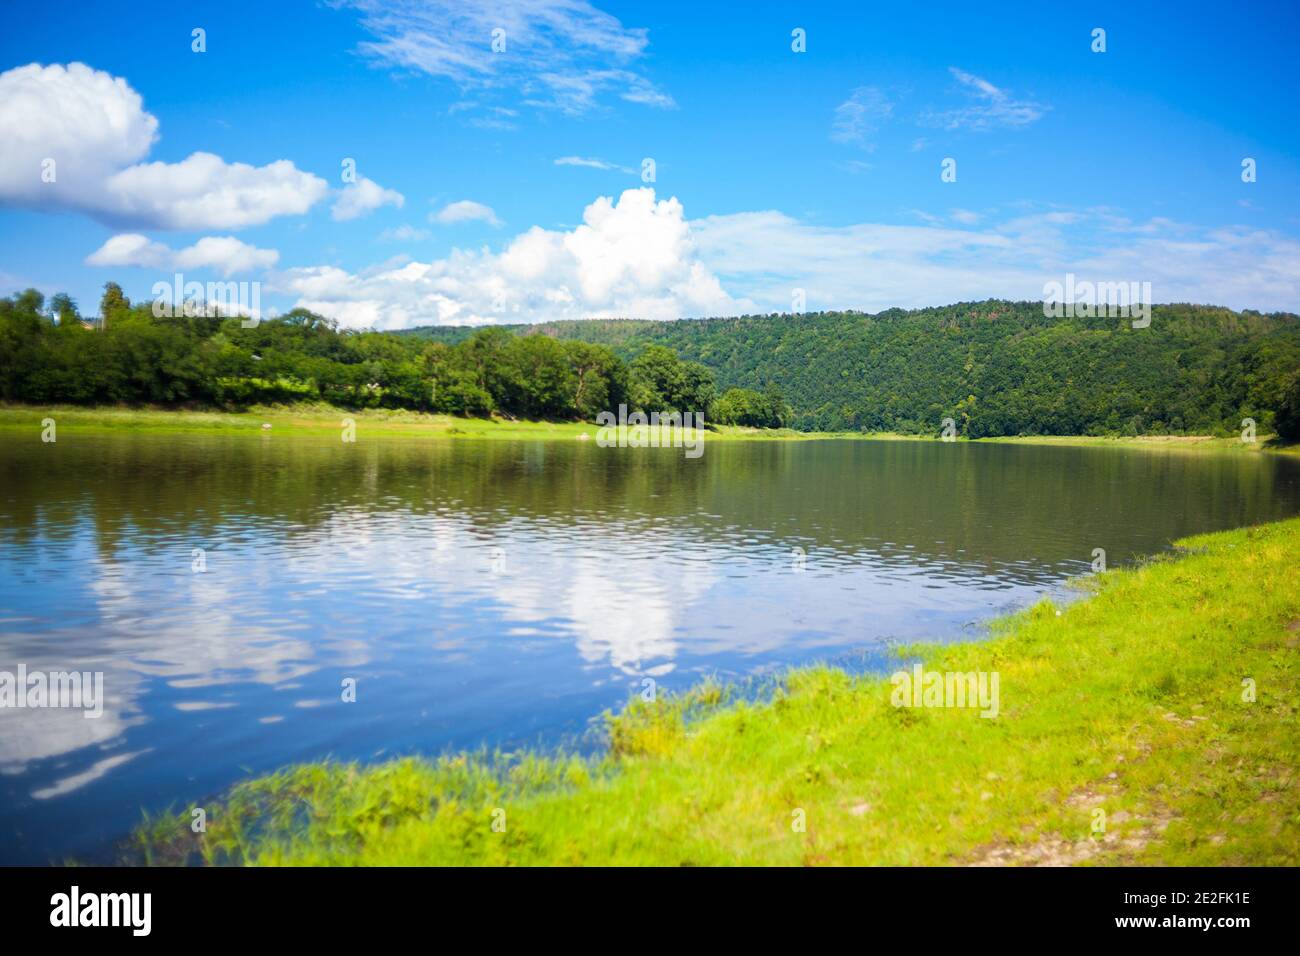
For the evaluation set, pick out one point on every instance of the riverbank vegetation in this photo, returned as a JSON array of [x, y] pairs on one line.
[[322, 419], [995, 368], [207, 361], [1152, 723]]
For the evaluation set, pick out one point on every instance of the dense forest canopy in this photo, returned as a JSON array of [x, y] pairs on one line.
[[998, 368], [133, 356]]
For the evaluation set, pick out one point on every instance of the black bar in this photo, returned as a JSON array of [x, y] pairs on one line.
[[939, 905]]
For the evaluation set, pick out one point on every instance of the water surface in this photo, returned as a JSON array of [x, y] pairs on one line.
[[501, 594]]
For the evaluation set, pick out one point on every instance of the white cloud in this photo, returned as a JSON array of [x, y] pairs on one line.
[[223, 254], [465, 210], [227, 255], [641, 258], [363, 197], [592, 163], [94, 128], [205, 192], [559, 54], [874, 266], [867, 266], [858, 117], [131, 249], [89, 122], [633, 257], [994, 107]]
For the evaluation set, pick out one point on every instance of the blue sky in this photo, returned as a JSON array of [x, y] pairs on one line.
[[774, 170]]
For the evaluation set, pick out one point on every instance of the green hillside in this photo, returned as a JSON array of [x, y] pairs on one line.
[[997, 367]]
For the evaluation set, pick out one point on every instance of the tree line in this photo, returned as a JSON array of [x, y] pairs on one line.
[[48, 353], [997, 368]]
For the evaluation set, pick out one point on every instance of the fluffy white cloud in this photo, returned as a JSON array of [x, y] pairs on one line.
[[641, 258], [223, 254], [74, 137], [362, 197], [205, 192], [131, 249], [466, 210], [90, 123], [633, 257]]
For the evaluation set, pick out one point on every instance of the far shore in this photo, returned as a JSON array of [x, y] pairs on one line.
[[319, 419]]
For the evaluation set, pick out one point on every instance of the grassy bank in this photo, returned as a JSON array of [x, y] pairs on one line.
[[324, 420], [381, 423], [1189, 443], [291, 420], [1131, 703]]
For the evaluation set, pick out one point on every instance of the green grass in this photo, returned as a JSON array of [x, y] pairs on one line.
[[1130, 702], [305, 419], [321, 419], [1187, 443]]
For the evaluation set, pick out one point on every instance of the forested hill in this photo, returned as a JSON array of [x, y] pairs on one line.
[[998, 367]]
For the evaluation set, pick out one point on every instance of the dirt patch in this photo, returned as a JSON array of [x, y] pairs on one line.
[[1121, 836]]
